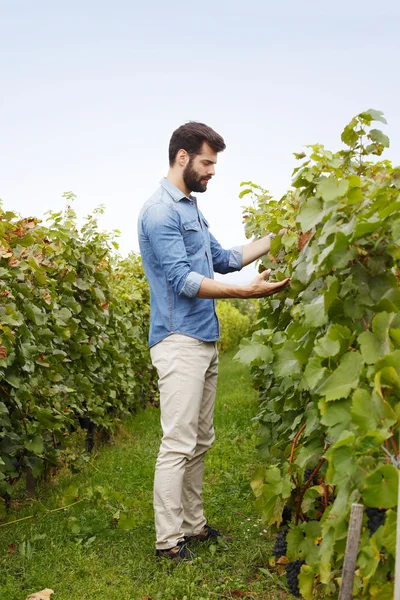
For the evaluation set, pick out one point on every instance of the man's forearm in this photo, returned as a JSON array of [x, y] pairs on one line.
[[255, 250], [210, 288], [258, 288]]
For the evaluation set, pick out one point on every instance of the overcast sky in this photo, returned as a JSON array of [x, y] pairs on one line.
[[91, 92]]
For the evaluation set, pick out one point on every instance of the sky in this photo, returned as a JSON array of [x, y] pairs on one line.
[[92, 91]]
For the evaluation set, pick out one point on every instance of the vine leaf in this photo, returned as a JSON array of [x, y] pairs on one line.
[[381, 486], [344, 378]]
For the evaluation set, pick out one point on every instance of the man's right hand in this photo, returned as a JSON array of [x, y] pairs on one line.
[[260, 288]]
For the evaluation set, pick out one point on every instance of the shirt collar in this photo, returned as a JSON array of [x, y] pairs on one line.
[[173, 191]]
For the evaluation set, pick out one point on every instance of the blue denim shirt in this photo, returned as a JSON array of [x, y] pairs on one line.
[[178, 251]]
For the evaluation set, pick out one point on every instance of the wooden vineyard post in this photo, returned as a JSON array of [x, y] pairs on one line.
[[350, 558], [397, 569]]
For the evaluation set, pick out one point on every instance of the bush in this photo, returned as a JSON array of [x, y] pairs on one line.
[[327, 362], [233, 324], [73, 337]]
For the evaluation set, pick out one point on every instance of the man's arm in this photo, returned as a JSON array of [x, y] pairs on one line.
[[256, 249], [258, 288]]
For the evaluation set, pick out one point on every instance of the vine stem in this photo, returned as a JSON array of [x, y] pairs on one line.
[[326, 495], [294, 443], [387, 448], [306, 486], [5, 392], [394, 446], [53, 510]]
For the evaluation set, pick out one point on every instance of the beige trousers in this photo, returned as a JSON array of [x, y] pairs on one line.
[[187, 370]]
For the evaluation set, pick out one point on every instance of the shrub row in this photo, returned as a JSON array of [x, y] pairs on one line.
[[73, 337]]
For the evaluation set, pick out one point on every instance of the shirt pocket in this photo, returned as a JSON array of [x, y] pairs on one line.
[[192, 236]]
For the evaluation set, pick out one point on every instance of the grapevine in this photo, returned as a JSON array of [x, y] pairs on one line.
[[326, 359]]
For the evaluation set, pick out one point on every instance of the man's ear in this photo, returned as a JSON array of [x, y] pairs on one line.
[[182, 158]]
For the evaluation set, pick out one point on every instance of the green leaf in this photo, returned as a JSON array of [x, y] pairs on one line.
[[306, 582], [314, 313], [380, 487], [342, 465], [377, 136], [286, 363], [73, 525], [344, 378], [387, 377], [370, 347], [326, 346], [331, 293], [374, 346], [36, 464], [389, 532], [364, 410], [349, 135], [368, 561], [64, 314], [127, 522], [293, 540], [336, 417], [35, 314], [251, 351], [13, 380], [313, 373], [82, 284], [373, 115], [35, 445], [311, 213], [70, 495], [330, 188]]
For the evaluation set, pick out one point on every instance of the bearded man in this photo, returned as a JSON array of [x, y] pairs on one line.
[[180, 256]]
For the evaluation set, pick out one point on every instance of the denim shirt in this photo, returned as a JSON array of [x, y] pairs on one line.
[[178, 251]]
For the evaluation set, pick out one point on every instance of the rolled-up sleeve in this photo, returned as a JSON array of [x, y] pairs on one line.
[[162, 226], [225, 261], [192, 284]]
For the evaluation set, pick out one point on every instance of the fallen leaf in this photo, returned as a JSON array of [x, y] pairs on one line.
[[12, 548], [42, 595]]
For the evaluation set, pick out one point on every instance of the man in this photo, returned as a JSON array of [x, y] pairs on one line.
[[179, 257]]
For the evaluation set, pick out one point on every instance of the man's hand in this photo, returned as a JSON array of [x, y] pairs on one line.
[[259, 287]]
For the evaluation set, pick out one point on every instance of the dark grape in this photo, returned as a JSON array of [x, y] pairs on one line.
[[292, 577], [280, 543], [376, 518], [286, 515], [307, 475]]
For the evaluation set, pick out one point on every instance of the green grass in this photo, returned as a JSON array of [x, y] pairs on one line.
[[81, 554]]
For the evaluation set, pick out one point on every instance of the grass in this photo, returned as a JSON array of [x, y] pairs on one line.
[[82, 554]]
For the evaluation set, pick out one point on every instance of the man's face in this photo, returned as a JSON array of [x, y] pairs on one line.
[[200, 169]]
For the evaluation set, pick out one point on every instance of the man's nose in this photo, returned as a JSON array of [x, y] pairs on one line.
[[211, 171]]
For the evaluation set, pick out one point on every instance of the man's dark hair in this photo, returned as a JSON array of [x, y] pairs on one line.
[[190, 137]]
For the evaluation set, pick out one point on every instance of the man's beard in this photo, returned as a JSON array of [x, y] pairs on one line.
[[192, 179]]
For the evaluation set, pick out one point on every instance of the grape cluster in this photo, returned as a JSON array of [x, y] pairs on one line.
[[307, 475], [292, 577], [280, 543], [376, 518], [286, 515]]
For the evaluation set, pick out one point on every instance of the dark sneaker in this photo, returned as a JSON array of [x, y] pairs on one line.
[[178, 553], [206, 534]]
